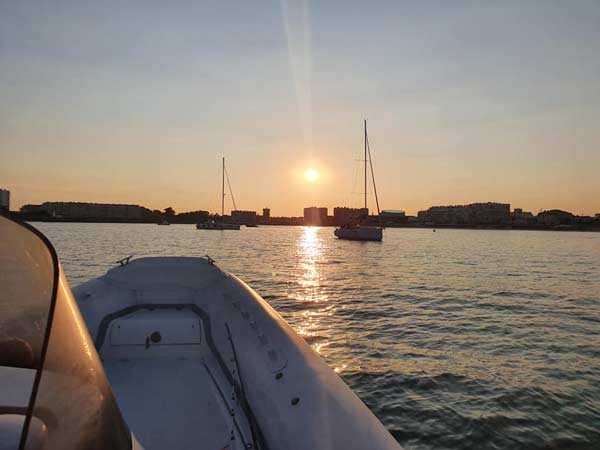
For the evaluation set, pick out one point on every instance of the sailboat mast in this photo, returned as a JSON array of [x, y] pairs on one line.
[[365, 163], [223, 190]]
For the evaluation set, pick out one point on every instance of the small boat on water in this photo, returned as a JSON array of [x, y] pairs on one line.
[[356, 231], [163, 222], [221, 224], [359, 233], [214, 225], [159, 353]]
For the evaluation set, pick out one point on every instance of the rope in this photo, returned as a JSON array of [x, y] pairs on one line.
[[373, 176], [230, 191]]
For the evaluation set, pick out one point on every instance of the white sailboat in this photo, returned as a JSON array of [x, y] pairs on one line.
[[356, 231], [159, 353], [221, 225]]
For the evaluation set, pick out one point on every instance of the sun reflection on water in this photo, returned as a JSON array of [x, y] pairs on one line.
[[310, 253], [312, 324]]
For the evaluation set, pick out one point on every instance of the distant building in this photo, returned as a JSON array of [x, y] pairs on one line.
[[583, 220], [520, 218], [439, 215], [392, 217], [244, 217], [266, 215], [392, 213], [31, 209], [315, 216], [343, 215], [286, 221], [85, 211], [467, 215], [489, 213], [555, 217], [4, 200]]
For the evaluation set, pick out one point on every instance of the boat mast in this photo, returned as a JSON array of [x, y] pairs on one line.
[[223, 190], [365, 163]]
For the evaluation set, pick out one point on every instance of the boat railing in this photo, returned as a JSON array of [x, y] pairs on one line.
[[124, 261]]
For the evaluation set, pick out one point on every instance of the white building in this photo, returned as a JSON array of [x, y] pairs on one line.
[[4, 200]]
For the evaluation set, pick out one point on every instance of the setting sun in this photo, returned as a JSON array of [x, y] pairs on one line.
[[311, 175]]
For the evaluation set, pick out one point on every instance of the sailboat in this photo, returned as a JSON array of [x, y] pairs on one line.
[[160, 353], [356, 231], [213, 224]]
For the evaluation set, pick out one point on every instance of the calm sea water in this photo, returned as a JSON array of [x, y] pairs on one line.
[[458, 339]]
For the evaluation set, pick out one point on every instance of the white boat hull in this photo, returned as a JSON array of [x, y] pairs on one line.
[[161, 327], [360, 233]]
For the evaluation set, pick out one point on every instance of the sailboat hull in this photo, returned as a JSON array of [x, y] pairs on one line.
[[217, 226], [359, 233]]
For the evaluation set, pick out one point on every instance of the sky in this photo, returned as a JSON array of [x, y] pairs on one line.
[[138, 101]]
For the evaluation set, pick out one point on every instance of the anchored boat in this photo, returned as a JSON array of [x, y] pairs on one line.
[[160, 353], [357, 231], [214, 225], [221, 225]]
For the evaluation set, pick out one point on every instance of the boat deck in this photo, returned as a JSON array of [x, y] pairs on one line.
[[172, 391], [175, 335], [168, 405]]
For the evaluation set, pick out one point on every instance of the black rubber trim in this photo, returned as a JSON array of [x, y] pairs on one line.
[[106, 320], [40, 369]]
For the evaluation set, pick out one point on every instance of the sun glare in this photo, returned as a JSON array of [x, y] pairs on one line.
[[311, 175]]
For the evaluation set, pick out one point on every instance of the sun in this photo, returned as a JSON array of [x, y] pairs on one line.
[[311, 175]]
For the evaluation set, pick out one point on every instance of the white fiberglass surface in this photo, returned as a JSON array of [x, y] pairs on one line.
[[16, 386], [15, 390], [170, 404], [168, 397]]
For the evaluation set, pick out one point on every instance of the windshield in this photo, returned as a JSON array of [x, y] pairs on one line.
[[57, 394], [27, 280], [74, 395]]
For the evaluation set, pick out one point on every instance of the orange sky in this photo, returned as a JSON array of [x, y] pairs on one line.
[[138, 106]]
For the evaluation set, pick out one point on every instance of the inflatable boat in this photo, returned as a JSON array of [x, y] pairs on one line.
[[159, 353]]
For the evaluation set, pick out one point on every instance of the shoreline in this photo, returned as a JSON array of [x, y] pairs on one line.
[[415, 226]]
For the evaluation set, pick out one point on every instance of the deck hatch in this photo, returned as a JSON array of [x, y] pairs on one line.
[[173, 327]]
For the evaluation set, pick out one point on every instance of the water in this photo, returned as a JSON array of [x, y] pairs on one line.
[[458, 339]]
